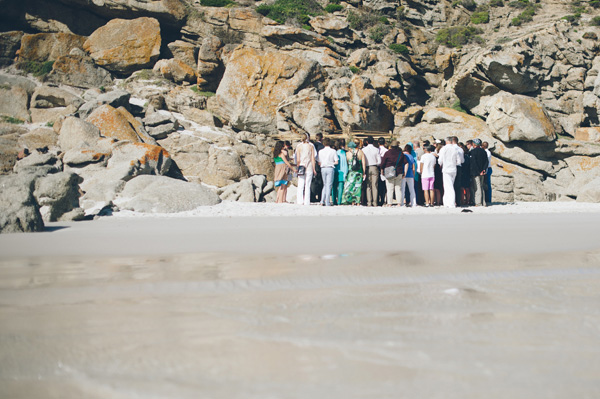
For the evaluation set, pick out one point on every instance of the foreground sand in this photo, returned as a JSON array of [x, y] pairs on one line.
[[450, 305]]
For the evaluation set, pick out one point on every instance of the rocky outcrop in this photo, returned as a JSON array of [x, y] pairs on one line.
[[590, 192], [114, 123], [76, 69], [20, 211], [253, 189], [57, 194], [306, 111], [10, 42], [160, 194], [269, 77], [357, 106], [176, 71], [42, 47], [124, 46], [515, 117], [14, 103]]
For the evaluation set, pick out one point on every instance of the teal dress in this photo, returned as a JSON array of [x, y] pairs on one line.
[[353, 184]]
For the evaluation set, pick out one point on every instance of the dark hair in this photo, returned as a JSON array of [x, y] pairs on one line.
[[370, 139], [426, 143], [342, 143], [287, 143], [431, 148], [469, 142], [277, 149], [326, 142], [381, 141], [319, 136], [408, 148]]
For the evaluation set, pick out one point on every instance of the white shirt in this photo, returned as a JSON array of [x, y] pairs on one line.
[[448, 159], [372, 155], [328, 157], [461, 154], [489, 154], [428, 162]]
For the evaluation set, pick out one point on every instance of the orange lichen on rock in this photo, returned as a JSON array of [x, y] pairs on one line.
[[113, 123], [42, 47]]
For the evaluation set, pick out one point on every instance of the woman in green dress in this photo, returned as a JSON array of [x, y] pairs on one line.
[[355, 176]]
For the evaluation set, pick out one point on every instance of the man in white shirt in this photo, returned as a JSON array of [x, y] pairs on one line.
[[372, 170], [328, 158], [448, 160]]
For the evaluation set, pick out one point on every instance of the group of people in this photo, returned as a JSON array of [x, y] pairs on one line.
[[373, 173]]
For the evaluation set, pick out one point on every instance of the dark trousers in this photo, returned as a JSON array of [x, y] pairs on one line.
[[316, 186]]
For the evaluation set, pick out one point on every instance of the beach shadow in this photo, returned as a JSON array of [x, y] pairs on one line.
[[52, 229]]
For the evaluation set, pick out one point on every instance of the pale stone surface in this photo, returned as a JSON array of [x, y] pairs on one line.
[[42, 47], [113, 123], [256, 82], [125, 46], [80, 71], [161, 194], [19, 211], [175, 70], [516, 117], [590, 192], [57, 194]]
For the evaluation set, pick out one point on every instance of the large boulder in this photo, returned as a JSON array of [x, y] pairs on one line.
[[509, 71], [39, 163], [57, 194], [76, 133], [253, 189], [124, 46], [256, 82], [515, 117], [134, 159], [80, 71], [50, 97], [175, 70], [113, 123], [306, 111], [42, 47], [19, 211], [161, 194], [184, 51], [472, 91], [9, 44], [38, 138], [590, 192], [588, 134], [14, 103], [357, 106]]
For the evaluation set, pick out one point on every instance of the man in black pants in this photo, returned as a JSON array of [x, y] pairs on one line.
[[317, 183], [381, 194], [479, 165]]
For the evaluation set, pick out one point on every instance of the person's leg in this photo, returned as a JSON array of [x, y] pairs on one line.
[[488, 188], [283, 193], [402, 192], [480, 194], [389, 191], [374, 172], [300, 194], [449, 195], [327, 186], [411, 189], [340, 191], [309, 178]]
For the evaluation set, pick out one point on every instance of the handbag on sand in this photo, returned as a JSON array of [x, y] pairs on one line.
[[390, 171]]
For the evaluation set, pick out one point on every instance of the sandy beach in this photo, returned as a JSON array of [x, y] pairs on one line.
[[267, 301]]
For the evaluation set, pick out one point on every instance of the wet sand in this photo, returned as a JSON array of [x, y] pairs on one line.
[[248, 308]]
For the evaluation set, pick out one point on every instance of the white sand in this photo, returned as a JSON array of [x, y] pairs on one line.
[[386, 303]]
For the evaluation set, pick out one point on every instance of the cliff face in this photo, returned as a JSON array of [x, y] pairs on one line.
[[521, 75]]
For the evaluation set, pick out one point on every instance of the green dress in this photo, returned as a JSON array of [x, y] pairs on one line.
[[353, 183]]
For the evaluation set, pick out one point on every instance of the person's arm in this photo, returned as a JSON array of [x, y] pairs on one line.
[[336, 159], [312, 157], [363, 160], [421, 167], [285, 160]]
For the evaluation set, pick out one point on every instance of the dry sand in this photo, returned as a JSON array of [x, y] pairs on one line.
[[498, 303]]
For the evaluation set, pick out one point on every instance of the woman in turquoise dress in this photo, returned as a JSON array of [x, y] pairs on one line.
[[354, 178], [341, 170]]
